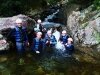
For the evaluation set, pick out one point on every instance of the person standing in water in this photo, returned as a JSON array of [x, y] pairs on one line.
[[64, 37], [20, 36], [38, 26], [69, 47], [50, 39], [37, 45]]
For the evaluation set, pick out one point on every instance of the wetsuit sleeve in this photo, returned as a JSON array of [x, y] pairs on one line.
[[55, 41], [33, 45], [26, 36]]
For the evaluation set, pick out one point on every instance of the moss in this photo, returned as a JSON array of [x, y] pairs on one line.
[[84, 25], [97, 35]]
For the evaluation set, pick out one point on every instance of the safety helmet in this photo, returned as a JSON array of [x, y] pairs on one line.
[[39, 21], [49, 31], [64, 32], [70, 39], [19, 20], [39, 33]]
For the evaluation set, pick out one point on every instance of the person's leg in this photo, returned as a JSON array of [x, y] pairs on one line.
[[66, 52], [20, 47]]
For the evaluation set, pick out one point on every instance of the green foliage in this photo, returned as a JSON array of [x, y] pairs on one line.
[[97, 35], [52, 1], [96, 4], [14, 7], [84, 25], [10, 7]]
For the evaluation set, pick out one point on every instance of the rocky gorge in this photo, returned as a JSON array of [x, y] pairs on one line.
[[84, 27]]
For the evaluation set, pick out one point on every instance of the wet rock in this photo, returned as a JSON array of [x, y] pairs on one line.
[[40, 71], [21, 61], [3, 59], [48, 64], [5, 72], [4, 45], [64, 1], [84, 27], [86, 31], [2, 67], [10, 21]]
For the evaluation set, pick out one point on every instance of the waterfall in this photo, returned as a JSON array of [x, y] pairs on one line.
[[51, 16], [48, 24]]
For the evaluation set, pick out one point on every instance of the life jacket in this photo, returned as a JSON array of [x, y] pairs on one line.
[[52, 39], [20, 34], [69, 48], [64, 39], [37, 44]]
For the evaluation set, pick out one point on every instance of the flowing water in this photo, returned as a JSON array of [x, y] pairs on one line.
[[31, 64]]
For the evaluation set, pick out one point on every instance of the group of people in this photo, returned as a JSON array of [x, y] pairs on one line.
[[43, 39]]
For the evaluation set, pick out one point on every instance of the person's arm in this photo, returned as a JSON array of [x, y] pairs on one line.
[[60, 39], [33, 44], [11, 34], [34, 47], [43, 44], [54, 40], [46, 39], [26, 37]]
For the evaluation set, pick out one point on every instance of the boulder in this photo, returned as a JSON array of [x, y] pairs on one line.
[[84, 27], [4, 45], [10, 21]]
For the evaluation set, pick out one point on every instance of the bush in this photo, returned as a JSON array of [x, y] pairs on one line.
[[14, 7], [96, 4]]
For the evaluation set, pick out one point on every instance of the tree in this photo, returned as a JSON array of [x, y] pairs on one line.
[[96, 4]]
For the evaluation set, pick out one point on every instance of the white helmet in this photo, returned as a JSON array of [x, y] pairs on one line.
[[64, 31], [19, 20], [39, 33], [39, 21], [49, 31], [70, 39]]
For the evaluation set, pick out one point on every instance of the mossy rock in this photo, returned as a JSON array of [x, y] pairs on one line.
[[97, 36], [84, 25], [40, 71]]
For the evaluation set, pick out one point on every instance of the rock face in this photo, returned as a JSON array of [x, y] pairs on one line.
[[4, 45], [85, 27], [7, 23], [10, 21]]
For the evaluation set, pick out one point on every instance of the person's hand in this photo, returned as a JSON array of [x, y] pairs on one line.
[[50, 42], [37, 52], [47, 42], [27, 43], [66, 44]]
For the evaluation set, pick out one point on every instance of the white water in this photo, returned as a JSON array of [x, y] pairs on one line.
[[51, 16]]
